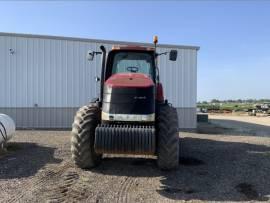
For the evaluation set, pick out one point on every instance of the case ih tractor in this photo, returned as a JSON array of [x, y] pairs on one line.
[[131, 116]]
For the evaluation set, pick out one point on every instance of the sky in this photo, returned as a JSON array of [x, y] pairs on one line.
[[234, 36]]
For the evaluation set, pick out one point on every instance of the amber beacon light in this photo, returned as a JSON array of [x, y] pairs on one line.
[[155, 39]]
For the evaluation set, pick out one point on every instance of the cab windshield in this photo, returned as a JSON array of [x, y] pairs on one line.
[[133, 62]]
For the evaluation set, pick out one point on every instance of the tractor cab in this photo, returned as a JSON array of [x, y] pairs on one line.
[[129, 86], [130, 59]]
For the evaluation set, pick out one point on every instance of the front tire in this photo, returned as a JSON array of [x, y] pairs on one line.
[[167, 138], [83, 137]]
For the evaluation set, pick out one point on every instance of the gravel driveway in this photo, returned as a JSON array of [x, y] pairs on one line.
[[217, 163]]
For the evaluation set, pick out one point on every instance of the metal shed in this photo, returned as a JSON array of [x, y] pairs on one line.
[[45, 79]]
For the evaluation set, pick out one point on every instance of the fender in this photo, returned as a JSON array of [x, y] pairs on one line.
[[159, 93]]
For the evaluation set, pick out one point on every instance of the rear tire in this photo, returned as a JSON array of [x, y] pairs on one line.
[[167, 138], [83, 136]]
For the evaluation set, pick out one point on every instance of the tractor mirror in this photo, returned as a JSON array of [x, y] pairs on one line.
[[90, 55], [173, 55]]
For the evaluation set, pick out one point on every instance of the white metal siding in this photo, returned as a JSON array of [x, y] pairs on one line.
[[49, 73], [54, 73], [179, 78]]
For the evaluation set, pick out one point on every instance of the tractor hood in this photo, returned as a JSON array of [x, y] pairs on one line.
[[129, 97], [138, 80]]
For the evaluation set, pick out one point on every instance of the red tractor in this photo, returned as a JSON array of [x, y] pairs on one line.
[[131, 116]]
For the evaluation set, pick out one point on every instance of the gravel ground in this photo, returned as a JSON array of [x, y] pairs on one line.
[[221, 161], [261, 121]]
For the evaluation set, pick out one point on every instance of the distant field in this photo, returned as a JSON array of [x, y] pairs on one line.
[[227, 106]]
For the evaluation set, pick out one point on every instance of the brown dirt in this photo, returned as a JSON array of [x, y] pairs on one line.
[[222, 161]]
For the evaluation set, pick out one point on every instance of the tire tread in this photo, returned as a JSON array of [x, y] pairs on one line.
[[83, 135], [168, 138]]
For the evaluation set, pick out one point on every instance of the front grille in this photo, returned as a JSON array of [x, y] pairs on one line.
[[125, 139]]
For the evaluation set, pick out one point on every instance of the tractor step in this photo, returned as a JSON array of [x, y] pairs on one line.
[[125, 139]]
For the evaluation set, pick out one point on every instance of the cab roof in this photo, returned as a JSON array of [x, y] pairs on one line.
[[132, 48]]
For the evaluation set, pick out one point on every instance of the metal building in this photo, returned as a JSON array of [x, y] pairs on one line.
[[45, 79]]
